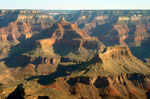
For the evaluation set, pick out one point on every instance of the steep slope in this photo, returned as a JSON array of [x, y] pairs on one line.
[[63, 42], [113, 61], [69, 42], [142, 52], [42, 53], [114, 27], [19, 25], [22, 24], [113, 73]]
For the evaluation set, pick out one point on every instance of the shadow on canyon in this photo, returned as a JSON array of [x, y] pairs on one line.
[[8, 18]]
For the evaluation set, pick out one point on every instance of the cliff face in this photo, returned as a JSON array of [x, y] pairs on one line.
[[142, 52], [122, 32], [117, 27], [121, 78], [23, 24], [47, 49], [123, 86], [115, 56], [141, 33], [114, 73], [112, 61], [66, 39], [125, 33]]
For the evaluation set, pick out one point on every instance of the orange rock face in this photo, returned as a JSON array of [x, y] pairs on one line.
[[23, 22], [115, 52], [17, 28], [45, 42], [106, 87], [3, 37], [28, 36], [141, 33], [122, 31]]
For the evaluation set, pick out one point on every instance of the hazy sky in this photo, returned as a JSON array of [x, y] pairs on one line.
[[74, 4]]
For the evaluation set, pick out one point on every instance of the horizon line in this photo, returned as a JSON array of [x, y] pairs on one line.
[[67, 9]]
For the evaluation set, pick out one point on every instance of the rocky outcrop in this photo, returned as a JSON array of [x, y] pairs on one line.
[[141, 33], [44, 42], [142, 52], [112, 87], [24, 23], [122, 31], [126, 81], [33, 21], [20, 29], [105, 24], [132, 34], [65, 38], [124, 86], [3, 37], [64, 33], [112, 61], [113, 57], [38, 60]]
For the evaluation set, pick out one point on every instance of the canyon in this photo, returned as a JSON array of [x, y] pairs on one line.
[[82, 54]]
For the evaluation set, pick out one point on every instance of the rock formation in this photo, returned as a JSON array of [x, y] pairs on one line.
[[44, 56]]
